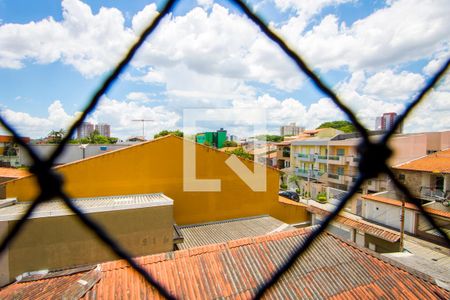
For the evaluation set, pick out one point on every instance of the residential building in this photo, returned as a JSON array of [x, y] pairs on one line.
[[428, 177], [332, 269], [85, 130], [355, 229], [72, 152], [157, 167], [213, 139], [386, 121], [333, 161], [9, 151], [233, 138], [283, 157], [291, 129], [385, 208], [103, 129], [54, 239]]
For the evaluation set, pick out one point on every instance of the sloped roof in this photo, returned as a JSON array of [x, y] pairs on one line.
[[438, 162], [408, 205], [13, 173], [331, 269], [57, 208], [375, 230], [223, 231]]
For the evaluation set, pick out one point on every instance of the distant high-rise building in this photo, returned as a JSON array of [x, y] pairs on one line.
[[85, 130], [386, 121], [291, 129], [378, 123], [103, 129]]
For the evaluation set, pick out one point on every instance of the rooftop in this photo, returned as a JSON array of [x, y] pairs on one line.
[[55, 208], [438, 162], [332, 268], [13, 173], [408, 205], [223, 231], [358, 223]]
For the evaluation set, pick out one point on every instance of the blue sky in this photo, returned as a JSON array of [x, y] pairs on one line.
[[375, 54]]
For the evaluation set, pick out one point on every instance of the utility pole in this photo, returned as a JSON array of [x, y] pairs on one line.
[[402, 225], [143, 125]]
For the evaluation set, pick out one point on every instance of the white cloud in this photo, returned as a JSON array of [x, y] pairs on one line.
[[390, 86], [35, 127], [405, 30], [138, 97], [218, 43], [120, 115], [91, 43], [143, 18]]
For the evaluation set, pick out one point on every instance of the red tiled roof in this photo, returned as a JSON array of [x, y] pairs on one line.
[[375, 230], [408, 205], [438, 162], [331, 269], [13, 173]]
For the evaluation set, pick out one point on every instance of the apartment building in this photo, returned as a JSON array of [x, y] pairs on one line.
[[291, 129], [428, 177], [333, 161], [84, 130], [103, 129]]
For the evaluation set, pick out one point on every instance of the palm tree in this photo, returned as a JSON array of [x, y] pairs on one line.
[[295, 179]]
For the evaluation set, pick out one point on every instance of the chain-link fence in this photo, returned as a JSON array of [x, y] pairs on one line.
[[373, 155]]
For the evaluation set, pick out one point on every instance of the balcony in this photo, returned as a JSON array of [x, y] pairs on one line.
[[353, 161], [305, 157], [336, 160], [321, 159], [336, 178], [433, 194], [312, 174]]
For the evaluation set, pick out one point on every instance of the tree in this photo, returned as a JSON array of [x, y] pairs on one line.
[[269, 138], [240, 153], [344, 126], [230, 144], [167, 132], [55, 136], [295, 179]]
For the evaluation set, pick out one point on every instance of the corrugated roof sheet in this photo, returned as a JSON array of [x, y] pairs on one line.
[[223, 231], [438, 162], [331, 269], [88, 205], [375, 230], [408, 205]]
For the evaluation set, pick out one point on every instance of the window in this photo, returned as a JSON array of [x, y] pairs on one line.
[[401, 177], [340, 171], [340, 152]]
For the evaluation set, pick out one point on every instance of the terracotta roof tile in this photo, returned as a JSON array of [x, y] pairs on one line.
[[408, 205], [437, 162], [332, 269], [375, 230]]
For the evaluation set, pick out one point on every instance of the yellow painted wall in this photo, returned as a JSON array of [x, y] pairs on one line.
[[63, 242], [156, 166]]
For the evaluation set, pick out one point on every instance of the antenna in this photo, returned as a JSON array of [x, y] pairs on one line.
[[143, 125]]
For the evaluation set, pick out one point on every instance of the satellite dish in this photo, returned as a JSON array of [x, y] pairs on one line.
[[83, 146]]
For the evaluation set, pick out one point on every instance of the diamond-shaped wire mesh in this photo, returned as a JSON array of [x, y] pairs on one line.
[[373, 155]]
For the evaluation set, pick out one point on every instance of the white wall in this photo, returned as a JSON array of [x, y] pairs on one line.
[[71, 152], [388, 215]]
